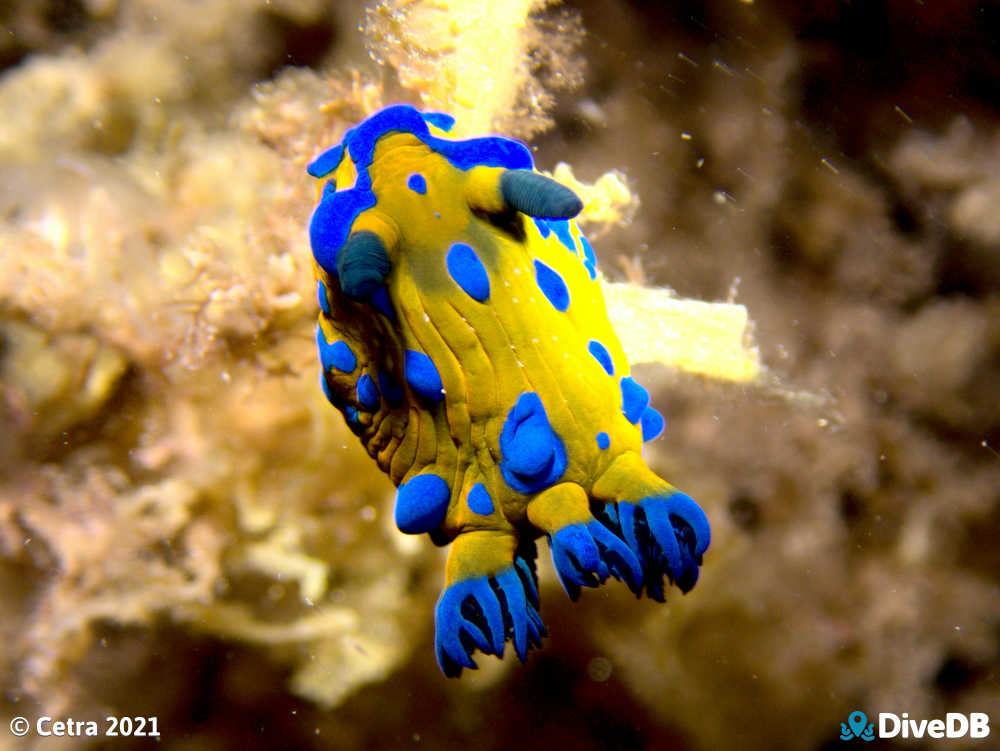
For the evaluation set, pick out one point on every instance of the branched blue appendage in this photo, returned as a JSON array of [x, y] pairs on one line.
[[586, 554], [484, 613], [667, 535], [529, 580]]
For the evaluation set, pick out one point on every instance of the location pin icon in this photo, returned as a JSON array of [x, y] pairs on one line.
[[857, 721]]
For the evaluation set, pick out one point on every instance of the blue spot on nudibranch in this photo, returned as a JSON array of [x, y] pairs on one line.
[[552, 285], [603, 440], [380, 300], [561, 228], [326, 389], [543, 227], [351, 415], [321, 298], [422, 375], [391, 390], [337, 355], [652, 424], [601, 354], [421, 504], [468, 272], [635, 399], [479, 500], [533, 455], [326, 162], [417, 183], [589, 259], [367, 392]]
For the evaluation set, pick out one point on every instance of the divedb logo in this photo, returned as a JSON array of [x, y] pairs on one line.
[[954, 725]]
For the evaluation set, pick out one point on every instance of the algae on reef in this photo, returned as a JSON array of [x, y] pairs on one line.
[[169, 455]]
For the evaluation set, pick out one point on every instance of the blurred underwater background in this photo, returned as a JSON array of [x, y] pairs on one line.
[[189, 531]]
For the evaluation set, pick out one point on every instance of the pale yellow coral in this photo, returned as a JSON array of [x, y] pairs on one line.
[[55, 382], [280, 556], [711, 339], [606, 202], [474, 60]]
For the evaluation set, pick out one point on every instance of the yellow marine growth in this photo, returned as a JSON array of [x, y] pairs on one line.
[[493, 65], [463, 334]]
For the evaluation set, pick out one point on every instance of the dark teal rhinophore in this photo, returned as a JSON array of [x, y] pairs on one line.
[[362, 265], [538, 196]]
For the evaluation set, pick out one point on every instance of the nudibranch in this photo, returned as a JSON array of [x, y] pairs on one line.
[[464, 336]]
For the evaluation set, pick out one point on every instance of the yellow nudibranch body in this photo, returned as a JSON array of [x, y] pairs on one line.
[[464, 336]]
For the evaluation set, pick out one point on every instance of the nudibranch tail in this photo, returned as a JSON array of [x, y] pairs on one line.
[[463, 335], [484, 613]]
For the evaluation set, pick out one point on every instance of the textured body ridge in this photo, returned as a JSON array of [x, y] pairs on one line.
[[463, 334]]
